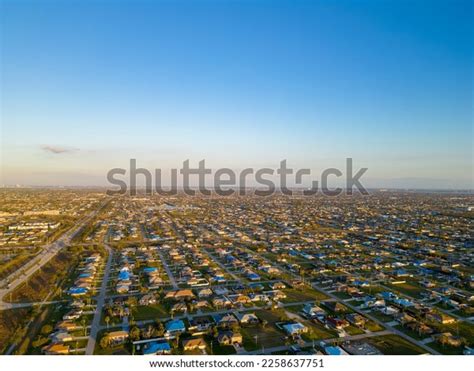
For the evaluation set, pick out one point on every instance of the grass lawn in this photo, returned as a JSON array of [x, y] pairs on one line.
[[446, 349], [217, 348], [373, 326], [144, 312], [119, 349], [354, 330], [308, 294], [410, 333], [342, 295], [381, 317], [463, 313], [267, 337], [318, 332], [408, 288], [394, 345], [295, 308], [271, 316]]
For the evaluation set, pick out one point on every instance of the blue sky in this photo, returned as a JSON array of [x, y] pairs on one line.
[[86, 85]]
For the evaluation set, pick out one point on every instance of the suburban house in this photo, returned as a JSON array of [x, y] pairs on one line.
[[225, 320], [147, 299], [174, 327], [202, 304], [180, 295], [179, 307], [61, 337], [259, 297], [337, 323], [199, 324], [247, 318], [222, 302], [241, 299], [278, 286], [156, 347], [334, 306], [204, 293], [220, 290], [66, 326], [356, 319], [441, 318], [312, 311], [446, 338], [295, 328], [361, 348], [117, 337], [335, 351], [194, 343], [53, 349], [420, 328], [229, 338], [276, 294]]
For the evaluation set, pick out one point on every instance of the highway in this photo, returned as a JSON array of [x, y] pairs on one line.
[[10, 283]]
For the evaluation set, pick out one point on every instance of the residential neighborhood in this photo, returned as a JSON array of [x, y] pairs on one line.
[[387, 274]]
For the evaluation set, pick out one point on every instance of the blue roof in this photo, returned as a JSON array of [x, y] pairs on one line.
[[388, 295], [175, 325], [217, 317], [155, 347], [124, 275], [334, 351], [85, 275], [404, 302], [149, 269], [77, 290], [254, 276]]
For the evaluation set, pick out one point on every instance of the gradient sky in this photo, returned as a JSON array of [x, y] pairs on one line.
[[86, 85]]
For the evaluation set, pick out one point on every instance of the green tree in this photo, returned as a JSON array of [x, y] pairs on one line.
[[135, 333], [46, 329], [160, 329], [104, 342]]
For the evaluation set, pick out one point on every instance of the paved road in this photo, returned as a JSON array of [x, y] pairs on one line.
[[190, 316], [4, 306], [168, 271], [222, 266], [95, 326], [14, 280]]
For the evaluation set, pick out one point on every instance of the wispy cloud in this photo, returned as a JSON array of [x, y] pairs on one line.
[[58, 149]]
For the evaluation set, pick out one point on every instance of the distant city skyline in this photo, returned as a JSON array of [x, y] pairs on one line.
[[85, 86]]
